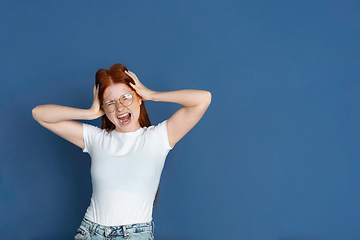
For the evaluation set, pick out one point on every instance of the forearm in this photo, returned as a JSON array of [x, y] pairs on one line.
[[187, 98], [55, 113]]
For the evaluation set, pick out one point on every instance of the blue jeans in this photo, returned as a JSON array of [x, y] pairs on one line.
[[89, 230]]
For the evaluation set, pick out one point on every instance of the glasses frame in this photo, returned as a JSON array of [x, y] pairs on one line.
[[118, 101]]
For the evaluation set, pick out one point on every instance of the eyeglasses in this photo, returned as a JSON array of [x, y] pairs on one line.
[[125, 99]]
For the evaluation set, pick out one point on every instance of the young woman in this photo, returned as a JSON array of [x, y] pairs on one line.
[[127, 153]]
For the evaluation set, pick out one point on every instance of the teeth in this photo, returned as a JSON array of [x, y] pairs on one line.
[[123, 115], [124, 118]]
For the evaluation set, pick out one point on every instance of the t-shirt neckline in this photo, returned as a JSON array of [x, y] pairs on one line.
[[129, 134]]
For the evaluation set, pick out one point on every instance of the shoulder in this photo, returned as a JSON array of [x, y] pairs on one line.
[[94, 136], [91, 131], [90, 127], [159, 132], [161, 127]]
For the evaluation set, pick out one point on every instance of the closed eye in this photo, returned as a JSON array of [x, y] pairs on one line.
[[110, 103]]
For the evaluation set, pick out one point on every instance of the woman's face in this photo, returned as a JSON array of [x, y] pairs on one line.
[[125, 118]]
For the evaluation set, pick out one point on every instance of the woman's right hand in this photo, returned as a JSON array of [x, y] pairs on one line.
[[95, 108]]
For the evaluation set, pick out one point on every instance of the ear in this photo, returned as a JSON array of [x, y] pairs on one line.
[[140, 99]]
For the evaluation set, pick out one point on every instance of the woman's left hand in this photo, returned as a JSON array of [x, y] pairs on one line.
[[195, 103], [140, 89]]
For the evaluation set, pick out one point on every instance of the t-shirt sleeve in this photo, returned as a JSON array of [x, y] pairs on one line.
[[89, 135], [160, 132]]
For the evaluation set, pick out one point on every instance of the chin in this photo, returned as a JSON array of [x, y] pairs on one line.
[[127, 127]]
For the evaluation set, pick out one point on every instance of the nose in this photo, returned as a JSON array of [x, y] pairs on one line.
[[119, 106]]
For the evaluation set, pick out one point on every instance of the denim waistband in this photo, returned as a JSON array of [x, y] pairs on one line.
[[116, 230]]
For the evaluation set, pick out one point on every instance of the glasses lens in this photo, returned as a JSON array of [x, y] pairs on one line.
[[109, 106], [126, 99]]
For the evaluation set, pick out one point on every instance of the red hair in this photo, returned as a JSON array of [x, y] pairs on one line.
[[116, 74]]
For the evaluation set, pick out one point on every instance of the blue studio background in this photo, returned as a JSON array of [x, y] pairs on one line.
[[275, 157]]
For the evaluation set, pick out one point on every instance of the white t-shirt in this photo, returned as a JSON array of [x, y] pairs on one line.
[[125, 173]]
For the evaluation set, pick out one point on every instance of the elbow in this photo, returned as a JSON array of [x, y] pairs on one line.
[[35, 113], [204, 100], [207, 98]]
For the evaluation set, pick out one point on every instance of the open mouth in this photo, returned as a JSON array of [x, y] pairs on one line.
[[124, 118]]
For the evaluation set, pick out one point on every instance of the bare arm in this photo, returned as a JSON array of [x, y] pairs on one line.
[[60, 119], [195, 104]]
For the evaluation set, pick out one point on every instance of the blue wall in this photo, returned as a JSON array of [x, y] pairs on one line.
[[275, 157]]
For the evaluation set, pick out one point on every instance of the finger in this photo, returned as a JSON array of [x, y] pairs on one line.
[[132, 75], [96, 90], [136, 88], [132, 85], [129, 73], [136, 83]]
